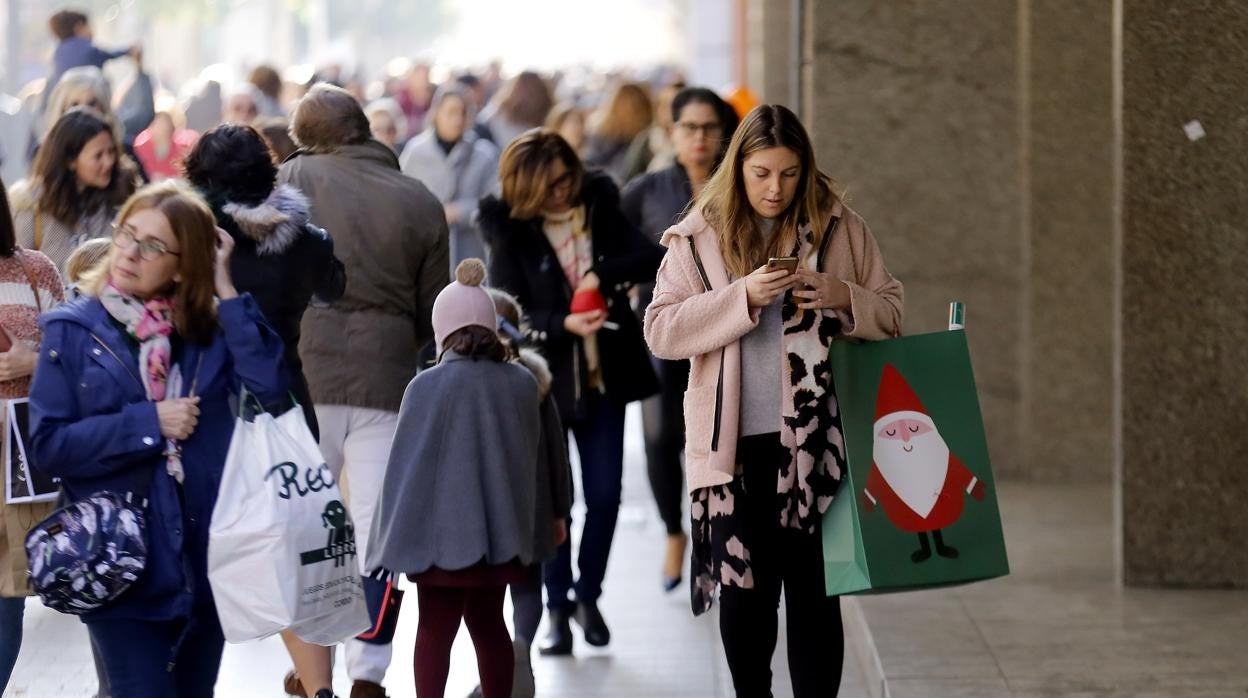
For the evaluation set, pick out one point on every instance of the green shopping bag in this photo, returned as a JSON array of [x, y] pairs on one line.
[[918, 507]]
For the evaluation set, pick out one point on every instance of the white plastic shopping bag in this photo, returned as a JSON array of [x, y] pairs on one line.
[[281, 547]]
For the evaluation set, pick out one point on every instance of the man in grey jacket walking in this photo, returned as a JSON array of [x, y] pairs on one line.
[[360, 353]]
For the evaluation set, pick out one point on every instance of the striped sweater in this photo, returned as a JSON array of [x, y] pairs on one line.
[[19, 311]]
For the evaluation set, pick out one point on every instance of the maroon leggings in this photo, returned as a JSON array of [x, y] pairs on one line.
[[441, 610]]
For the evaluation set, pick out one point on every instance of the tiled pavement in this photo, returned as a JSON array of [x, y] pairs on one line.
[[1059, 625], [658, 648]]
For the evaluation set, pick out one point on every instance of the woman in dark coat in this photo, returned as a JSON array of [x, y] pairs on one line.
[[702, 125], [133, 385], [285, 263], [279, 258], [557, 234]]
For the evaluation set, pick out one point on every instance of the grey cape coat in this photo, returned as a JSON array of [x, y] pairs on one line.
[[460, 487]]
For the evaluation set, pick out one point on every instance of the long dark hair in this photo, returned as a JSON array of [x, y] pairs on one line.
[[8, 239], [231, 163], [58, 184]]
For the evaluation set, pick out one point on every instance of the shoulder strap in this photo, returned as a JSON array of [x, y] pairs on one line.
[[697, 259], [827, 239], [30, 276], [38, 230]]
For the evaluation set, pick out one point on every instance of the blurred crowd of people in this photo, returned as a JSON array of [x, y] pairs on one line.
[[345, 208]]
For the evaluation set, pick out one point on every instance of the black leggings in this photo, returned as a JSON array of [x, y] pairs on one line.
[[780, 558], [663, 417]]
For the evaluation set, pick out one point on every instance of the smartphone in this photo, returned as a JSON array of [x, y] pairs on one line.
[[787, 263]]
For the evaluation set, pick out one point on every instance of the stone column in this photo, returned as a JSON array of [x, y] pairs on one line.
[[1068, 159], [1183, 325], [915, 107], [771, 53]]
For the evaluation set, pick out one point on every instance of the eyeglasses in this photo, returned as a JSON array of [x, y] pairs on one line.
[[711, 129], [150, 250]]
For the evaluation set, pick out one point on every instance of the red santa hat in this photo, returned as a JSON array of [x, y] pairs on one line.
[[897, 400]]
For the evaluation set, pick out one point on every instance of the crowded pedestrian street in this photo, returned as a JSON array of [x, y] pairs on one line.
[[642, 349]]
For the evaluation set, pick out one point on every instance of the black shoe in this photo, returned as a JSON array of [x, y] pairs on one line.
[[558, 640], [325, 693], [592, 624], [941, 549], [924, 551]]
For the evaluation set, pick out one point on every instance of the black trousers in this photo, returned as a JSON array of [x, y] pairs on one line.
[[780, 558], [663, 417]]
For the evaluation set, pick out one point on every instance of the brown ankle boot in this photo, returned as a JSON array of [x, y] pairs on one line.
[[367, 689], [292, 686]]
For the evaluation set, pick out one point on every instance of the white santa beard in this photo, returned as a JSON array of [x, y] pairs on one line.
[[918, 475]]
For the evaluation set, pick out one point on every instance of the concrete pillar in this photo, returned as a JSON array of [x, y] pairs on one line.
[[1183, 332], [916, 108], [1067, 349], [772, 56]]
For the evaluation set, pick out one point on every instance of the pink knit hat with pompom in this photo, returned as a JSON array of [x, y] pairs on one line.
[[463, 303]]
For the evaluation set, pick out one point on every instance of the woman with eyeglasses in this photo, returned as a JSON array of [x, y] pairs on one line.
[[561, 246], [79, 179], [702, 124], [32, 284], [133, 389]]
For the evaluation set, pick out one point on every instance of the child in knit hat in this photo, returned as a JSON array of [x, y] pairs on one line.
[[456, 512]]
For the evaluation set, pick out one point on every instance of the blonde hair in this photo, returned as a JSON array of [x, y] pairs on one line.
[[724, 205], [192, 223], [626, 112], [86, 257], [525, 170]]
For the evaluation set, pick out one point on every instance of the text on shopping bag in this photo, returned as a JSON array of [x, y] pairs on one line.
[[310, 480]]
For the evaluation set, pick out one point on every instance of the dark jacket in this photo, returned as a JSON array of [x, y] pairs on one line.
[[523, 263], [93, 427], [655, 202], [390, 232], [285, 263], [554, 472]]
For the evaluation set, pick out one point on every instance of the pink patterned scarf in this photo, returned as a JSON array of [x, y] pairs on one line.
[[150, 323]]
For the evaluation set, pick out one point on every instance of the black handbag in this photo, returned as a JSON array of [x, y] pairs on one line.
[[384, 599]]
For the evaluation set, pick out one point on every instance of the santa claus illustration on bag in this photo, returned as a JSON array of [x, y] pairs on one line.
[[916, 480]]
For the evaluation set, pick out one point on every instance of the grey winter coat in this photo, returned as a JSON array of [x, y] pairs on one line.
[[462, 177], [460, 487], [390, 233]]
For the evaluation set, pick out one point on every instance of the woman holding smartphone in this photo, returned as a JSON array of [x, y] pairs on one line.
[[763, 445]]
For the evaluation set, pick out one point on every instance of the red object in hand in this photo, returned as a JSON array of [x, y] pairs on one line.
[[588, 300]]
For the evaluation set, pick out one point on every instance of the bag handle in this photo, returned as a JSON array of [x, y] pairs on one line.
[[30, 278], [38, 230]]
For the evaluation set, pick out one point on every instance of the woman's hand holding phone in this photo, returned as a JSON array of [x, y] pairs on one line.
[[765, 284]]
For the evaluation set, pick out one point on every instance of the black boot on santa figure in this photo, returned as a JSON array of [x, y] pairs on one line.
[[924, 551], [944, 550]]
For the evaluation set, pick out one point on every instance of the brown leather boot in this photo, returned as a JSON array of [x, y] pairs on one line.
[[367, 689], [292, 686]]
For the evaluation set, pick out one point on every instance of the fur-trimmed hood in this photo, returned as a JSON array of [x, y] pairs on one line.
[[537, 365], [275, 223]]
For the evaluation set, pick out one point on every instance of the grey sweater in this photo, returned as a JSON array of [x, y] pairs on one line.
[[760, 365], [460, 487]]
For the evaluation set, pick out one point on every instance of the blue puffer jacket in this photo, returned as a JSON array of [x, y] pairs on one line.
[[93, 427]]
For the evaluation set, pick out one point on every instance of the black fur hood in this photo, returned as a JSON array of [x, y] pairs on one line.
[[275, 223]]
